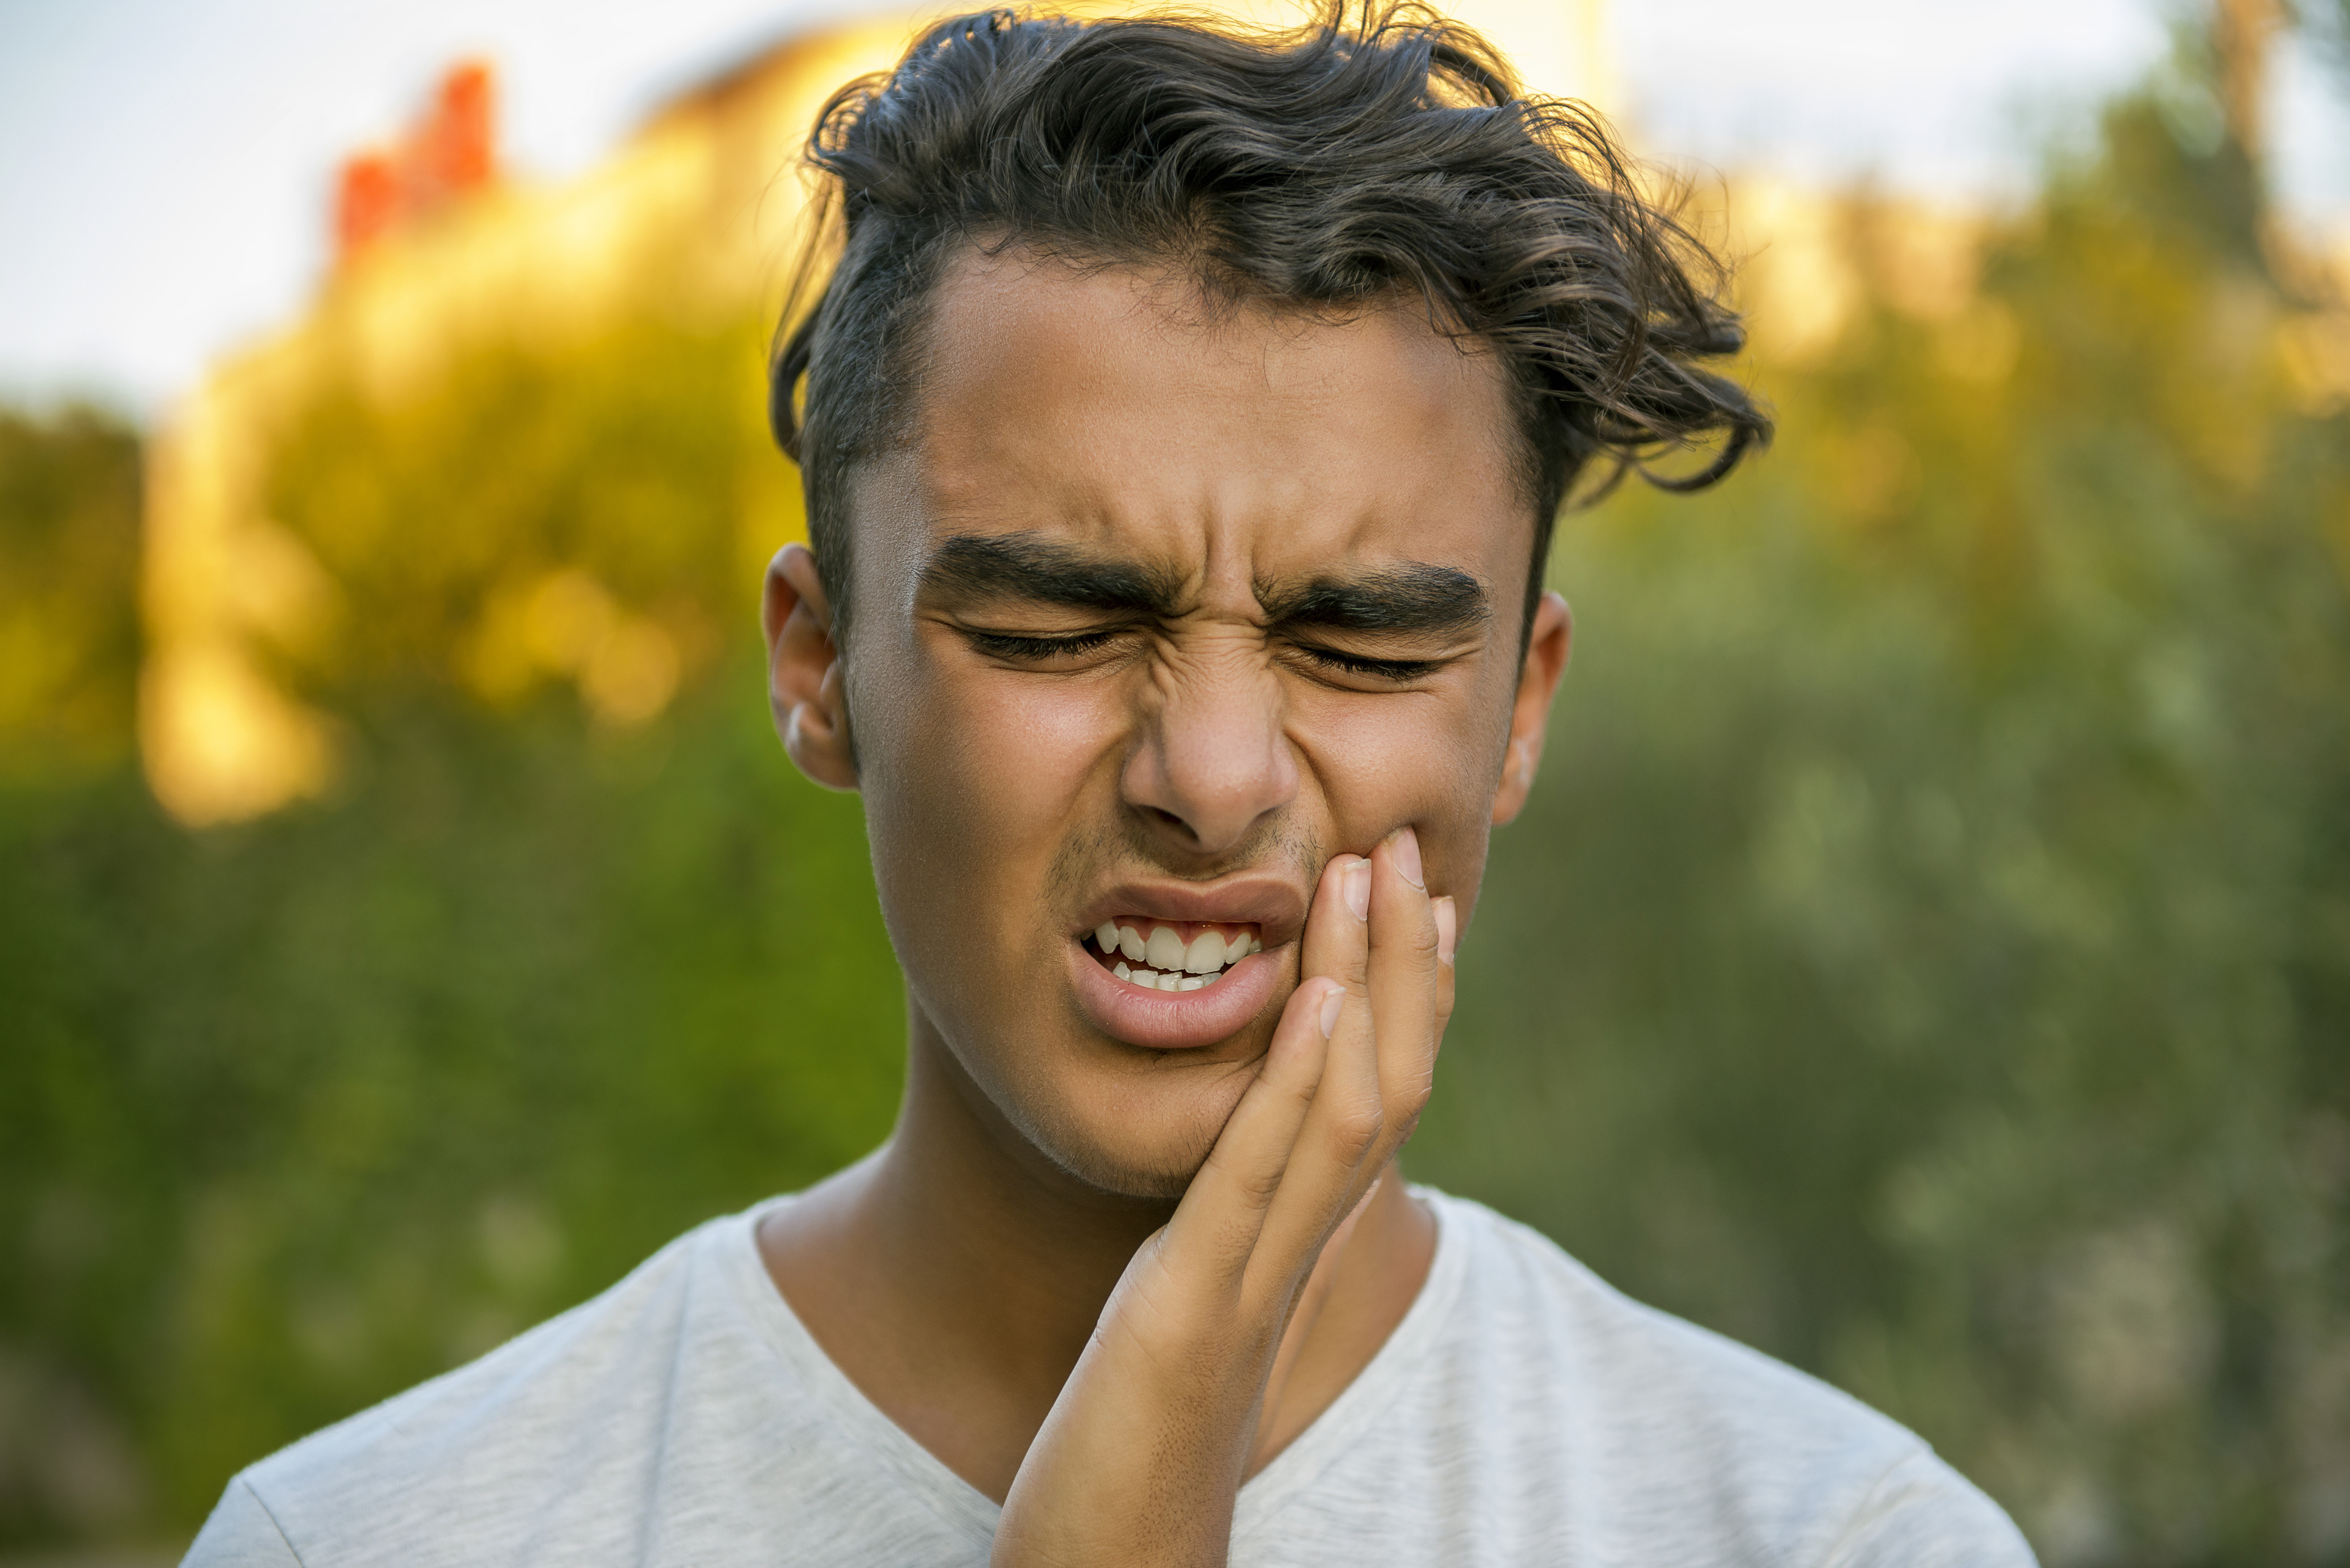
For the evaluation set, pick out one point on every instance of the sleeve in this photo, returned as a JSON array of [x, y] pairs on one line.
[[1921, 1513], [240, 1533]]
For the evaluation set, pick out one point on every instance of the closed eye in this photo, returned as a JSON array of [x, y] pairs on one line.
[[1401, 671], [1024, 649]]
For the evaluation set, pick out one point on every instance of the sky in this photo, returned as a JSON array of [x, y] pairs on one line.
[[165, 164]]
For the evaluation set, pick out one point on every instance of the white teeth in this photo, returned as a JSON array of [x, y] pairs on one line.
[[1164, 959]]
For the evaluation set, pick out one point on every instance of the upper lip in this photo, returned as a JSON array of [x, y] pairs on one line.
[[1273, 905]]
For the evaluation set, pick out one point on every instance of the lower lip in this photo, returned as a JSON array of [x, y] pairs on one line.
[[1174, 1020]]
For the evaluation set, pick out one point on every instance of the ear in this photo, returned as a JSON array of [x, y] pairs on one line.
[[804, 670], [1546, 651]]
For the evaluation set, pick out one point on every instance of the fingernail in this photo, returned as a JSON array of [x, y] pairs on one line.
[[1448, 928], [1406, 858], [1332, 1006], [1354, 887]]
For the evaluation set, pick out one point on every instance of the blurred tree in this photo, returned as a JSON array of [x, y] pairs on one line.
[[571, 513], [295, 1113], [1938, 973], [68, 569]]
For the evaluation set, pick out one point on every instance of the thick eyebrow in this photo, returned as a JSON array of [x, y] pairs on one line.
[[1042, 571], [1411, 597]]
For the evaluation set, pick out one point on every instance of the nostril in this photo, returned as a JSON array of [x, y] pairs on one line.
[[1162, 817], [1205, 787]]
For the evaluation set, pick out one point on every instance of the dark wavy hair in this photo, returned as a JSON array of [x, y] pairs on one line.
[[1365, 155]]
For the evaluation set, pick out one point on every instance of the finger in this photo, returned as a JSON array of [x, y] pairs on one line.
[[1408, 983], [1217, 1224], [1447, 974], [1334, 1159], [1337, 939]]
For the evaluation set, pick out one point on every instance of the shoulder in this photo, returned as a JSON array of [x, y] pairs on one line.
[[242, 1534], [1706, 1437], [542, 1419]]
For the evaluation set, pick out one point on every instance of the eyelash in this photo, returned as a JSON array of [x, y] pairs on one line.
[[1008, 645], [1397, 669], [1012, 646]]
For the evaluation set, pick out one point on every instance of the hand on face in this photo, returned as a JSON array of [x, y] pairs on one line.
[[1141, 1457]]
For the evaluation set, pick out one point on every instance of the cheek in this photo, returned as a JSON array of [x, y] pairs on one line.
[[1384, 762], [1010, 758], [973, 784]]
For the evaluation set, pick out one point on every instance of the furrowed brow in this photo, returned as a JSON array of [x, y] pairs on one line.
[[1410, 597], [1044, 571]]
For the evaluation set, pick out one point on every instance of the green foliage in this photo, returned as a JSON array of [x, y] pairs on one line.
[[1928, 955], [296, 1113], [1937, 971], [70, 487], [638, 458]]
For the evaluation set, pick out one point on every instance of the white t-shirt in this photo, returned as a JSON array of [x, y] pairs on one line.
[[1523, 1412]]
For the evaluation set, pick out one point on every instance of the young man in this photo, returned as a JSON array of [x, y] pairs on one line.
[[1185, 419]]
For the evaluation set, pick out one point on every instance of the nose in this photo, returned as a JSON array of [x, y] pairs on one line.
[[1213, 761]]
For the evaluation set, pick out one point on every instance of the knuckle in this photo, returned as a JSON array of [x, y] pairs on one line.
[[1417, 942], [1257, 1188], [1296, 1084], [1408, 1103], [1415, 1096], [1254, 1183], [1357, 1131]]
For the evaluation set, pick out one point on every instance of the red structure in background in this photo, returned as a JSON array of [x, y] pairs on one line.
[[450, 149]]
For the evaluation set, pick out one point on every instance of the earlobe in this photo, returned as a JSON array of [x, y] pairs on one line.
[[1547, 647], [804, 674]]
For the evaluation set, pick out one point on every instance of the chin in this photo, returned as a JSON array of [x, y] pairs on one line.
[[1145, 1146]]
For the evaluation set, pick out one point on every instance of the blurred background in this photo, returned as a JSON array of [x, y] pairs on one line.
[[1928, 957]]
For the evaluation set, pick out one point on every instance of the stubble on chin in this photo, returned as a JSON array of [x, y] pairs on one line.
[[1102, 1170], [1142, 1139]]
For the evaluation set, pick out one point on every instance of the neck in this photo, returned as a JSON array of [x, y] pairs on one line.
[[968, 1211]]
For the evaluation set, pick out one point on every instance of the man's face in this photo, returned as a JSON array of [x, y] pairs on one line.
[[1159, 610]]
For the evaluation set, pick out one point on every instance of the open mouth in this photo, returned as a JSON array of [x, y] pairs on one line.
[[1172, 955]]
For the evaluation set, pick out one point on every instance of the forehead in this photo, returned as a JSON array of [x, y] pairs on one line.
[[1115, 407]]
